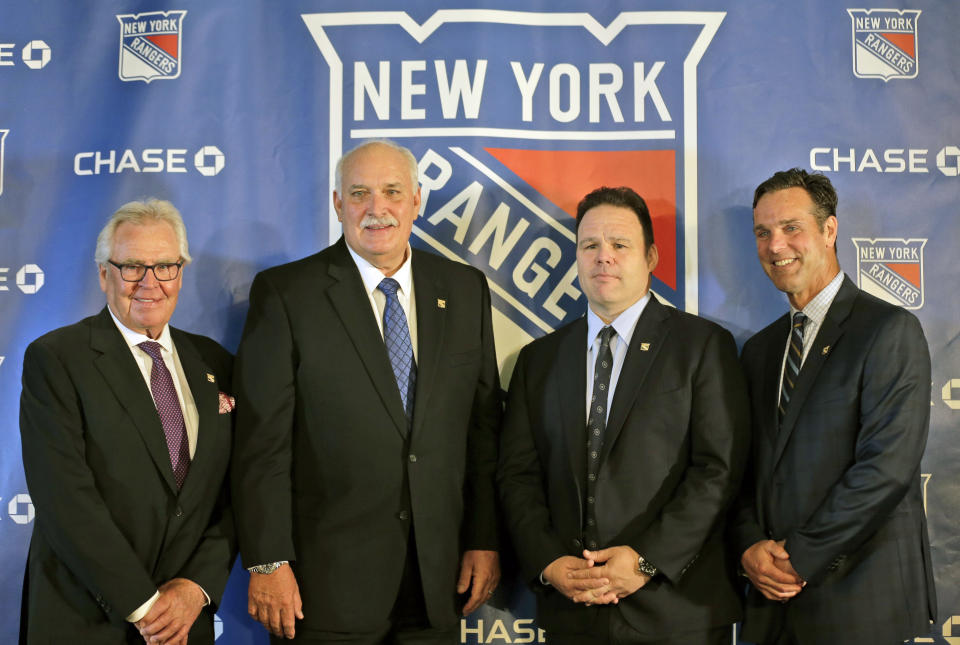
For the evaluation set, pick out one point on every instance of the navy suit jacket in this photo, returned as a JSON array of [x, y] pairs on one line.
[[840, 479]]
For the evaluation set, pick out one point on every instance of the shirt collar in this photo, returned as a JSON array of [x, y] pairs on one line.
[[816, 309], [134, 338], [372, 276], [624, 324]]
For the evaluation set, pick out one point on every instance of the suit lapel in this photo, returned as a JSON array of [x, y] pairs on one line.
[[828, 335], [649, 337], [570, 376], [348, 297], [205, 397], [772, 367], [431, 325], [120, 371]]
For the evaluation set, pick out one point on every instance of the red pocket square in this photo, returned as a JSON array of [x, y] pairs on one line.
[[227, 403]]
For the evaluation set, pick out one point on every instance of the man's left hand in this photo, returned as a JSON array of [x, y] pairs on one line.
[[619, 567], [173, 614], [479, 572]]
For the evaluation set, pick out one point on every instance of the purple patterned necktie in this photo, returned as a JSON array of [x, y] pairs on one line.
[[171, 416], [396, 335]]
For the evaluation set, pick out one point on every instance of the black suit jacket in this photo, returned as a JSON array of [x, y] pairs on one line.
[[111, 525], [327, 472], [672, 458], [840, 480]]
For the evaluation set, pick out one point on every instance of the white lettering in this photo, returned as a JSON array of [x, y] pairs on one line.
[[540, 275], [468, 198], [379, 94], [644, 86], [496, 226], [607, 90], [527, 86], [564, 288], [6, 54], [409, 89], [428, 183], [572, 75], [459, 90]]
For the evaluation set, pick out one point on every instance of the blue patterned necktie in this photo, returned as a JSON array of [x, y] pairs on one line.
[[171, 416], [396, 336], [794, 360], [596, 425]]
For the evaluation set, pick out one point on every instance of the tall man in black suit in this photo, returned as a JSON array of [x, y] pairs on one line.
[[623, 445], [831, 528], [126, 442], [363, 473]]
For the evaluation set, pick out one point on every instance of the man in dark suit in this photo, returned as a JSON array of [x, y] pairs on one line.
[[125, 455], [363, 472], [623, 445], [831, 527]]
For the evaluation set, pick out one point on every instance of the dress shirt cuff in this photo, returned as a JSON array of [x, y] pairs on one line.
[[142, 610], [544, 581]]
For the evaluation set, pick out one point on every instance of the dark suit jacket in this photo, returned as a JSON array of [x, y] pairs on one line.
[[840, 480], [111, 526], [326, 472], [672, 458]]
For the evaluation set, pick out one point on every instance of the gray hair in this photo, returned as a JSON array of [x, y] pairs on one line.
[[405, 152], [142, 212]]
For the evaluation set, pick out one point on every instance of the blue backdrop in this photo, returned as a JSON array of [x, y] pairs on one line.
[[235, 111]]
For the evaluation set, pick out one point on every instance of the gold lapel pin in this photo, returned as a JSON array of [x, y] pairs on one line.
[[644, 347], [211, 378], [441, 303], [825, 350]]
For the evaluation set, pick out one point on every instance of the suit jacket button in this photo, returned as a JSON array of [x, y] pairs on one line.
[[577, 544], [404, 515], [179, 512]]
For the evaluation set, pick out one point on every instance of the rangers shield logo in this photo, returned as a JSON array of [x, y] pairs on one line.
[[891, 269], [514, 117], [150, 45], [884, 43], [3, 136]]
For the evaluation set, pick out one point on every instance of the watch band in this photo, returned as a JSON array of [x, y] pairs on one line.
[[267, 569], [645, 568]]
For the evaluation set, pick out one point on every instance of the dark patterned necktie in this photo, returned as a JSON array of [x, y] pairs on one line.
[[396, 336], [596, 425], [171, 416], [794, 360]]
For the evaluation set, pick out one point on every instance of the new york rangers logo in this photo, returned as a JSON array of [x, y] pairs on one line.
[[150, 45], [3, 136], [891, 269], [514, 117], [884, 43]]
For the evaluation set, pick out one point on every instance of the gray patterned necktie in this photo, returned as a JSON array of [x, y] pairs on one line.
[[171, 416], [792, 368], [396, 336], [596, 425]]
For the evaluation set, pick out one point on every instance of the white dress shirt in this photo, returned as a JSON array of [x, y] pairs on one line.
[[191, 417], [815, 311], [624, 324], [372, 276]]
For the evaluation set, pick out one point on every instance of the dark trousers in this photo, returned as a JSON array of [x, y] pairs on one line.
[[612, 629], [407, 624]]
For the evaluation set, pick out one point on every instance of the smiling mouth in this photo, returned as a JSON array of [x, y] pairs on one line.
[[784, 262]]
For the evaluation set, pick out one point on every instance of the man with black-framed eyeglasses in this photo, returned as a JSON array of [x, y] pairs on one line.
[[126, 431]]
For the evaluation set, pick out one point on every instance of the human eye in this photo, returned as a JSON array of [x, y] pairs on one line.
[[761, 234]]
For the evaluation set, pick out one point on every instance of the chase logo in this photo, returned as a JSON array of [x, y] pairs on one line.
[[3, 137], [150, 45], [514, 117], [891, 269], [884, 43]]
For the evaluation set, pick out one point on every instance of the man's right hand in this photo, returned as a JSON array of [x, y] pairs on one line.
[[767, 564], [273, 599], [556, 574]]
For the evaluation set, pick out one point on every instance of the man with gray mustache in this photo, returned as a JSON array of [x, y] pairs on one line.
[[365, 453]]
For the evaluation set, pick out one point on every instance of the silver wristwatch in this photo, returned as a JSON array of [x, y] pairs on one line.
[[266, 568], [645, 568]]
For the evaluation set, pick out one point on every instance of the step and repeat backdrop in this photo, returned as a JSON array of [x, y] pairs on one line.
[[237, 112]]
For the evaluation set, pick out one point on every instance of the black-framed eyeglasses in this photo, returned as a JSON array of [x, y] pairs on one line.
[[163, 272]]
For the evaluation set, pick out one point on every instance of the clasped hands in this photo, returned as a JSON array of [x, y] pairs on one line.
[[598, 578], [173, 614], [768, 566]]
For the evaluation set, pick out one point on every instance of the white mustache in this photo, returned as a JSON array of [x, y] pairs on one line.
[[373, 220]]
